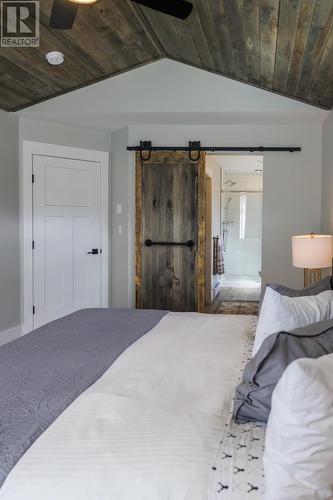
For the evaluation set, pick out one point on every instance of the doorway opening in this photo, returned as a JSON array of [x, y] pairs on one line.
[[237, 233]]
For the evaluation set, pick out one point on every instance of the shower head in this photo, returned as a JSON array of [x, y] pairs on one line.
[[231, 183]]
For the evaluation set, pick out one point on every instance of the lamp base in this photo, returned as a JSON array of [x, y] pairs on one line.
[[311, 276]]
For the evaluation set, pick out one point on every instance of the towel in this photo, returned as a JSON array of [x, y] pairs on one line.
[[218, 261]]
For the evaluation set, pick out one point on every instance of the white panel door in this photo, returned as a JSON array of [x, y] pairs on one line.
[[67, 236]]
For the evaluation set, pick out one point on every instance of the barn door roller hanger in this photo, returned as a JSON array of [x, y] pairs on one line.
[[194, 149]]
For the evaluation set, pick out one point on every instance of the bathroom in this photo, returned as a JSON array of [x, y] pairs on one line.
[[238, 225]]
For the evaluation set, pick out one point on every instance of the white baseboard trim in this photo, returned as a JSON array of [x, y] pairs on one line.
[[10, 334]]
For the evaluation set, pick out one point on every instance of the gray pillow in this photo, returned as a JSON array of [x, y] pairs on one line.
[[262, 373], [315, 289]]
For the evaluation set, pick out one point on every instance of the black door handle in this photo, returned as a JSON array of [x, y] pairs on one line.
[[94, 251], [189, 243]]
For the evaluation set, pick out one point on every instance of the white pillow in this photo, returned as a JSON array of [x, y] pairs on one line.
[[298, 458], [279, 312]]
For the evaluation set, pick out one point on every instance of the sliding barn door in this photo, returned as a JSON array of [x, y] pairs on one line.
[[170, 232]]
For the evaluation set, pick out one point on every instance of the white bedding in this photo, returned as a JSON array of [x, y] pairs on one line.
[[237, 472], [149, 429]]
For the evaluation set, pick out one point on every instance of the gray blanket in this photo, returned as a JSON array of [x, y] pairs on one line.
[[45, 371]]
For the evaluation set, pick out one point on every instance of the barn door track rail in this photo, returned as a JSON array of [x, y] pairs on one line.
[[194, 149]]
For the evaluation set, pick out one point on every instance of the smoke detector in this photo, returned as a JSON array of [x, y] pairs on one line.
[[55, 58]]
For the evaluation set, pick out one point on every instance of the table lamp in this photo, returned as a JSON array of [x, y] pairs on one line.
[[312, 252]]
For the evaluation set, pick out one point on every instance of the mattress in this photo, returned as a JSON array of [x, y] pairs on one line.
[[153, 427]]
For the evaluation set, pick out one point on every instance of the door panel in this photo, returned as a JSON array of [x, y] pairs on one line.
[[170, 199], [66, 226], [55, 261], [86, 272], [68, 187]]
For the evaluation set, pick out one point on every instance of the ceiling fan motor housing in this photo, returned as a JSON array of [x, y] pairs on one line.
[[64, 11]]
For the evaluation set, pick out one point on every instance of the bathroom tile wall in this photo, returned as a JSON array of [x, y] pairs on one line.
[[243, 256]]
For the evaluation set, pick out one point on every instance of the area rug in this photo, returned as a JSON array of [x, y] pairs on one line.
[[239, 307]]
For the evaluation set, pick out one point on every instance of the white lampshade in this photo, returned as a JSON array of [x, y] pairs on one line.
[[312, 251]]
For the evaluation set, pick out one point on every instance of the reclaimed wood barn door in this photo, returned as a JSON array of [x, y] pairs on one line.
[[170, 211]]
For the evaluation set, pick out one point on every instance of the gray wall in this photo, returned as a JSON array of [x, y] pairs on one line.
[[292, 191], [123, 193], [60, 134], [292, 183], [68, 135], [9, 223], [327, 177]]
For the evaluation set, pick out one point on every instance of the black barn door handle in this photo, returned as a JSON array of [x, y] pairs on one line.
[[188, 243]]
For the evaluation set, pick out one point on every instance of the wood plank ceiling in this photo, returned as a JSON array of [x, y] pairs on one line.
[[285, 46]]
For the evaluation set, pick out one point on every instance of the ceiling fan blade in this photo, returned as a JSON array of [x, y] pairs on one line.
[[176, 8], [63, 14]]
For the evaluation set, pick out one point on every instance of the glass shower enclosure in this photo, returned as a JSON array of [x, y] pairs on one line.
[[241, 217]]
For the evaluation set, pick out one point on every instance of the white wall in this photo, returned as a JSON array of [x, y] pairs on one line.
[[327, 176], [9, 223]]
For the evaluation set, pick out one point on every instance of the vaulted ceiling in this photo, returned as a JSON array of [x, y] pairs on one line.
[[285, 46]]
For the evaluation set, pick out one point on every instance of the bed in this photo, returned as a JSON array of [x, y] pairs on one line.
[[153, 420]]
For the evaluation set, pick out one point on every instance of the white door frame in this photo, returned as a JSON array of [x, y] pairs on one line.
[[38, 148]]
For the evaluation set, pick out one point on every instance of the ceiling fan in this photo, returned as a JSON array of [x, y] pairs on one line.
[[64, 11]]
